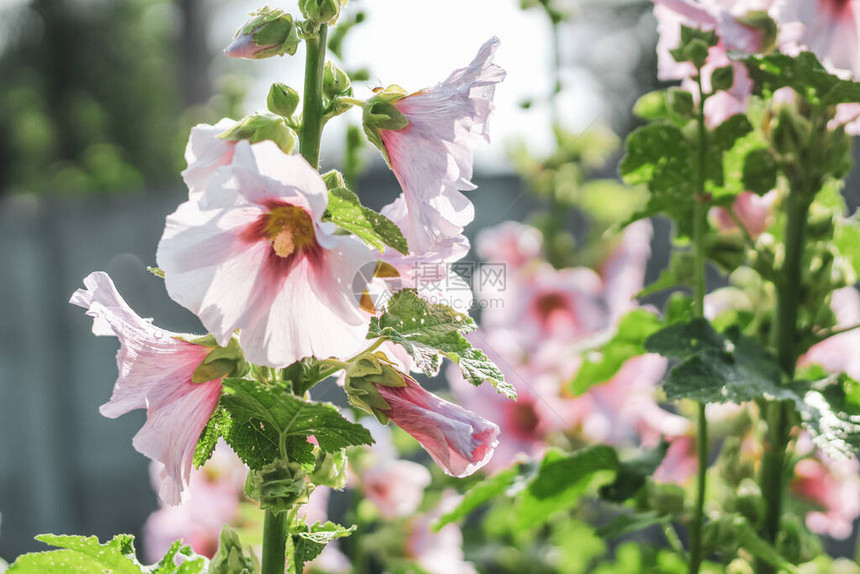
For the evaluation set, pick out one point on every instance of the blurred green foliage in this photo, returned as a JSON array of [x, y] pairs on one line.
[[93, 97]]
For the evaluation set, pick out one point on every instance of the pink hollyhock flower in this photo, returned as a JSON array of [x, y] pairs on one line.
[[155, 370], [512, 243], [828, 28], [205, 153], [432, 155], [680, 463], [835, 487], [838, 354], [438, 552], [396, 487], [458, 440], [539, 410], [214, 494], [431, 271], [256, 257], [754, 212]]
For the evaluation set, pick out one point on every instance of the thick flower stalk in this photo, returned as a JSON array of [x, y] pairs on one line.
[[255, 256], [161, 372], [427, 138]]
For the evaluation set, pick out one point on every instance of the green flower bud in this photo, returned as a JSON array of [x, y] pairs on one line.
[[277, 486], [269, 32], [232, 557], [335, 82], [260, 127], [226, 361], [330, 470], [321, 11], [380, 113], [282, 100], [362, 378], [334, 179]]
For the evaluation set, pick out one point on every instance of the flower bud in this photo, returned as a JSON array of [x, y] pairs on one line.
[[260, 127], [321, 11], [269, 32], [380, 113], [277, 486], [282, 100], [722, 79], [226, 361], [232, 557], [330, 470], [335, 82]]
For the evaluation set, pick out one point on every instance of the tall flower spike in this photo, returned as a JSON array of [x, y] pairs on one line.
[[156, 368], [255, 256], [427, 138]]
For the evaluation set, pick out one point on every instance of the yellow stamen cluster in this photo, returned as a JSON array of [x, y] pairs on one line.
[[290, 229]]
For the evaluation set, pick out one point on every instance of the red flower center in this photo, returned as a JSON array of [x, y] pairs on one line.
[[548, 304], [523, 418]]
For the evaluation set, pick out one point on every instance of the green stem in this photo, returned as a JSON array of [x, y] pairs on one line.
[[274, 543], [312, 104], [784, 336], [700, 289]]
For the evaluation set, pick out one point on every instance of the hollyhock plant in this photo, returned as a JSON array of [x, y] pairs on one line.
[[256, 257], [427, 138], [156, 368]]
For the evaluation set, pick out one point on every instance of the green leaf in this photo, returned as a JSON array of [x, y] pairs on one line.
[[263, 414], [218, 426], [600, 366], [804, 74], [626, 523], [482, 493], [674, 105], [681, 273], [345, 211], [80, 555], [429, 331], [716, 368], [658, 155], [192, 564], [830, 415], [232, 557], [309, 542], [632, 474], [759, 172], [847, 240]]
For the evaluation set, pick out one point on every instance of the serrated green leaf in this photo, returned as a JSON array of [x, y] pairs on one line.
[[632, 474], [804, 74], [80, 555], [191, 564], [264, 415], [830, 417], [633, 329], [429, 330], [345, 211], [658, 156], [716, 368], [309, 542], [218, 426]]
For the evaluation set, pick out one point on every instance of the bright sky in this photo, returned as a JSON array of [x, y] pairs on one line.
[[417, 44]]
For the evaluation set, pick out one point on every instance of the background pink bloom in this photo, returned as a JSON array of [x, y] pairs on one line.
[[835, 487], [214, 494], [432, 156], [155, 368], [458, 440], [754, 212], [396, 487], [256, 257], [512, 243], [438, 552], [838, 354]]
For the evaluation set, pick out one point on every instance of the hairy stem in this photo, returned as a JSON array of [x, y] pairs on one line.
[[784, 336], [274, 542], [312, 104], [700, 289]]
